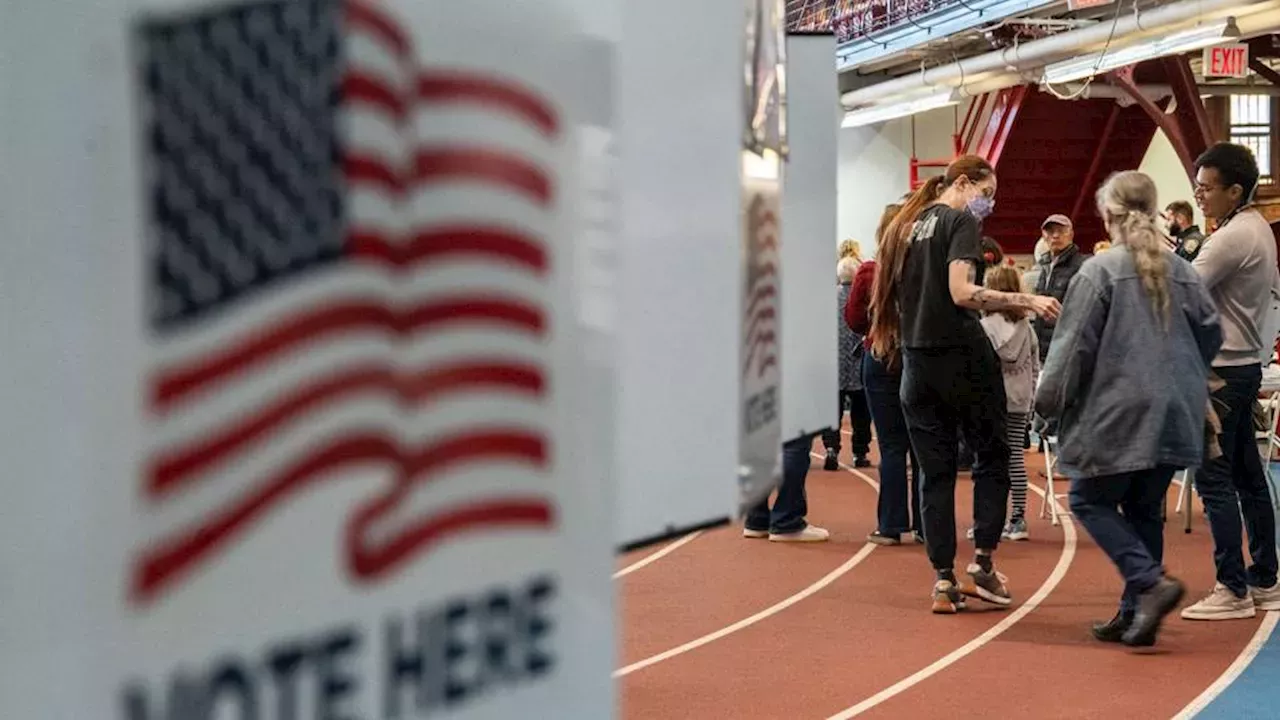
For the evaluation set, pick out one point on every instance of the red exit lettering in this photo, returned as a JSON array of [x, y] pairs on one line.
[[1227, 61]]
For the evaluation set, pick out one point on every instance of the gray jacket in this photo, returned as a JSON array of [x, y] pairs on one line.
[[1127, 395]]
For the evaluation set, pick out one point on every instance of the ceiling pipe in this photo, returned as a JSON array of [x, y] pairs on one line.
[[1036, 53], [1156, 92]]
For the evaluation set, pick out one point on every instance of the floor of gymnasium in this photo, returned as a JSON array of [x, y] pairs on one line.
[[717, 626]]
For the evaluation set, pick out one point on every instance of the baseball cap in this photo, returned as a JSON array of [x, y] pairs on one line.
[[1062, 220]]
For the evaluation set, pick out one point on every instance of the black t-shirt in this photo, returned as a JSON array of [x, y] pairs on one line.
[[929, 316]]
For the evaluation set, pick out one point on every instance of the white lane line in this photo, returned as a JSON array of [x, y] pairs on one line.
[[670, 548], [850, 469], [1069, 540], [770, 611], [1233, 671]]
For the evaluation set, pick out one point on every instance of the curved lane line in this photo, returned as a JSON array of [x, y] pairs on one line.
[[1234, 670], [654, 557], [1069, 540], [770, 611]]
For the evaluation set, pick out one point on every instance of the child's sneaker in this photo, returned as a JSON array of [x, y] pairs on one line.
[[1016, 530]]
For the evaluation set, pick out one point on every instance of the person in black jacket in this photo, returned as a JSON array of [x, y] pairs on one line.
[[1056, 270], [1183, 228]]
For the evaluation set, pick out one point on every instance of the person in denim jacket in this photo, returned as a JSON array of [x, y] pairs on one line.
[[1126, 381]]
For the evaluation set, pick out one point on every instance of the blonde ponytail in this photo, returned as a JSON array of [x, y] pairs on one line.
[[1127, 204]]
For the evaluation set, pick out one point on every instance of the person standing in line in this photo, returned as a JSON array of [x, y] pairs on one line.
[[883, 381], [1126, 381], [786, 520], [1238, 265], [1182, 227], [1056, 270], [1015, 343], [925, 307], [849, 396]]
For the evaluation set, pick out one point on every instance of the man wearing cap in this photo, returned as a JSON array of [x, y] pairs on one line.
[[1056, 269]]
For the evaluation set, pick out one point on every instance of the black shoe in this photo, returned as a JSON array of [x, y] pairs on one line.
[[1153, 605], [1113, 630], [862, 462], [833, 461]]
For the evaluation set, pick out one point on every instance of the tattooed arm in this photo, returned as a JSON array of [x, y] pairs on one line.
[[966, 292]]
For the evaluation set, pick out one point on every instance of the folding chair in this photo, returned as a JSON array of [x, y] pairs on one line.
[[1184, 505], [1049, 504]]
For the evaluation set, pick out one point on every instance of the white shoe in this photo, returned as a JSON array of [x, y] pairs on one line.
[[1222, 604], [811, 533], [754, 534], [1266, 598]]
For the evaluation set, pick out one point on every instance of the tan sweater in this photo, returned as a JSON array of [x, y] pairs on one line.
[[1238, 267]]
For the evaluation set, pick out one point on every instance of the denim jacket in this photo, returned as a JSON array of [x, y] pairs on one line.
[[1128, 395]]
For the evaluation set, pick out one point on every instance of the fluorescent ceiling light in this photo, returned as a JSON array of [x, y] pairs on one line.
[[1201, 36], [880, 113]]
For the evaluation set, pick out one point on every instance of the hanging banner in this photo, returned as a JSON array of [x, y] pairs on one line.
[[353, 495], [764, 140]]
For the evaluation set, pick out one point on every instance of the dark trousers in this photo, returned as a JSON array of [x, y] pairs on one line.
[[790, 506], [1123, 513], [1235, 484], [855, 402], [945, 389], [893, 515]]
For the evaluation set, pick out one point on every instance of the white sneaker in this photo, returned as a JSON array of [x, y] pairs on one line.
[[1222, 604], [1266, 598], [754, 534], [811, 533]]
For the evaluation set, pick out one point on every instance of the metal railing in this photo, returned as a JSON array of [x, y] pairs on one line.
[[856, 19]]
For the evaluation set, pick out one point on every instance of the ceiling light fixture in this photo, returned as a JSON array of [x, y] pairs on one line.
[[880, 113], [1201, 36]]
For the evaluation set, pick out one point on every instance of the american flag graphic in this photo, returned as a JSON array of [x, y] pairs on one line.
[[762, 289], [348, 272]]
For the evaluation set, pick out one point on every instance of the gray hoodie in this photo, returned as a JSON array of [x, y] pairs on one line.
[[1019, 352]]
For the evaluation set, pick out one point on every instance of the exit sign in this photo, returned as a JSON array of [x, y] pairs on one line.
[[1226, 61], [1082, 4]]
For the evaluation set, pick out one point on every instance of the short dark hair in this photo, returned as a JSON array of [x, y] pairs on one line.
[[1235, 163], [1181, 207]]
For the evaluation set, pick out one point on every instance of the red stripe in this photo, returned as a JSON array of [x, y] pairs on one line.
[[165, 563], [360, 169], [175, 383], [436, 164], [759, 340], [462, 240], [366, 16], [457, 87], [770, 361], [369, 559], [762, 315], [358, 88], [439, 164], [759, 295], [176, 468]]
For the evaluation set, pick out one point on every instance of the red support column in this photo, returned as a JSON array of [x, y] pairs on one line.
[[1190, 112], [1123, 79], [1091, 177]]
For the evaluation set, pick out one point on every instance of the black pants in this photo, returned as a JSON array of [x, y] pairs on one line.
[[945, 390], [855, 402], [1123, 514], [893, 514], [1235, 484]]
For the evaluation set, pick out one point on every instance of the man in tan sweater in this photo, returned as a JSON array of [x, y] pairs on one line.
[[1238, 266]]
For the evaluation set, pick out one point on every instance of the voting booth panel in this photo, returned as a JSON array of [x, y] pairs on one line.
[[679, 266], [810, 315], [312, 281]]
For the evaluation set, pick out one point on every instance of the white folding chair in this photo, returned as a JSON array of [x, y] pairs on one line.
[[1049, 504], [1184, 505]]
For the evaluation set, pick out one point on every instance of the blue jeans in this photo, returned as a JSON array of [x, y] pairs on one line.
[[1123, 514], [893, 515], [1235, 484], [790, 506]]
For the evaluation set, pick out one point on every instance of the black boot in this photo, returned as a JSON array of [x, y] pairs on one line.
[[1153, 605], [1113, 630]]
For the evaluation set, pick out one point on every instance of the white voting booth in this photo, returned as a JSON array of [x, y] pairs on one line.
[[292, 429]]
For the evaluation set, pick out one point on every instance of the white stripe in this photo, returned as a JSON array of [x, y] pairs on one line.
[[479, 126], [343, 281], [1047, 587], [654, 557], [248, 394], [448, 206], [768, 612], [367, 54], [1233, 672], [252, 466]]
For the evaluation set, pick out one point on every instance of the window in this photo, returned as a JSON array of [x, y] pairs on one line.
[[1249, 121]]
